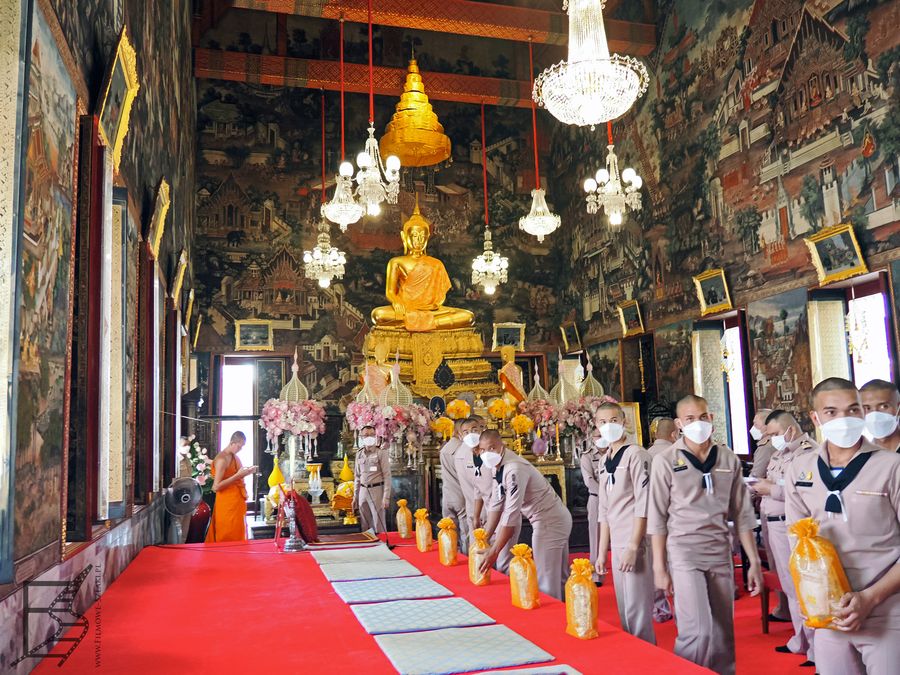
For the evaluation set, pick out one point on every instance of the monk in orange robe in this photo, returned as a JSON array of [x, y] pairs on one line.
[[228, 517]]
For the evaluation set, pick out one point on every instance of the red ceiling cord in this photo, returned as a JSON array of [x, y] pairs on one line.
[[371, 80], [343, 154], [609, 132], [484, 167], [537, 172], [323, 146]]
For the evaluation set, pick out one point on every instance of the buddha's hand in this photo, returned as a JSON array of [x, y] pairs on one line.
[[399, 310]]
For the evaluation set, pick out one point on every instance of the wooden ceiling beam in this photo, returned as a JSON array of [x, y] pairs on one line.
[[283, 71], [464, 17]]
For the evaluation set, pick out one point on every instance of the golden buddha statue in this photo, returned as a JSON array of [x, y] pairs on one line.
[[417, 286], [511, 378]]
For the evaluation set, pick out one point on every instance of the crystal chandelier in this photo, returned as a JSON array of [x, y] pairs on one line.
[[540, 221], [591, 86], [611, 191], [342, 209], [488, 269], [376, 181], [324, 262]]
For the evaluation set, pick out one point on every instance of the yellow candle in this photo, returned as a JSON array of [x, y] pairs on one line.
[[557, 434]]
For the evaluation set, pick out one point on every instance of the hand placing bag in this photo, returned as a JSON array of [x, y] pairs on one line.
[[818, 574], [423, 531], [477, 551], [404, 519], [448, 542], [581, 601], [523, 578]]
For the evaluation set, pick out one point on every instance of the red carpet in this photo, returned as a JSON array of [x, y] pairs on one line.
[[242, 608]]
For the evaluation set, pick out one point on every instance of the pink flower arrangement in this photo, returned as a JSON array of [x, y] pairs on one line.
[[200, 462], [577, 416], [390, 421], [304, 418], [541, 412]]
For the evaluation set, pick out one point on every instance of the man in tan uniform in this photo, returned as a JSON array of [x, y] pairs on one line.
[[852, 487], [764, 449], [484, 491], [464, 458], [664, 433], [790, 443], [372, 484], [696, 487], [453, 503], [590, 460], [881, 404], [622, 512], [521, 490]]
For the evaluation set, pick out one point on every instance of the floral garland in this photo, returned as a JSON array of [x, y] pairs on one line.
[[390, 421], [301, 418], [200, 462], [458, 409]]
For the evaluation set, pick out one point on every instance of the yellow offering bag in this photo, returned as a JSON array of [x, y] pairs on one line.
[[404, 519], [581, 601], [523, 578], [423, 531], [477, 551], [448, 542], [818, 574]]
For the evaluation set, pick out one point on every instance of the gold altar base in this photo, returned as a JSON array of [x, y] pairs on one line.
[[422, 353]]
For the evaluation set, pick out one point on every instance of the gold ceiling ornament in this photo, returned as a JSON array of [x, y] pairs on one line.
[[414, 133]]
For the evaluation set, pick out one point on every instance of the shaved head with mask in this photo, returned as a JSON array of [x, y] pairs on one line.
[[881, 404]]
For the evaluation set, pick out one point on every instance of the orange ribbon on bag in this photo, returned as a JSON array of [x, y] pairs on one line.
[[448, 542], [523, 578], [581, 601], [818, 574], [404, 519], [477, 551], [423, 531]]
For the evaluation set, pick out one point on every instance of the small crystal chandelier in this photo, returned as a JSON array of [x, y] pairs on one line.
[[489, 269], [324, 262], [611, 191], [540, 221], [591, 86], [376, 181], [342, 209]]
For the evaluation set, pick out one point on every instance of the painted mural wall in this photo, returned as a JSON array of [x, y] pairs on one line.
[[765, 122], [160, 142]]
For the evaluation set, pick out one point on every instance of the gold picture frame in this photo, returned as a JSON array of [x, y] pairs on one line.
[[829, 250], [197, 332], [712, 291], [158, 219], [630, 318], [119, 91], [571, 337], [253, 335], [633, 420], [508, 334], [179, 277], [190, 308]]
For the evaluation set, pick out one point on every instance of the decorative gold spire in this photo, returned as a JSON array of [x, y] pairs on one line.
[[414, 133]]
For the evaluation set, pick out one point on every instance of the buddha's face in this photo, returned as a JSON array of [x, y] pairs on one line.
[[416, 238]]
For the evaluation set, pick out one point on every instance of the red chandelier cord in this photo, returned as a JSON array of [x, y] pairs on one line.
[[537, 171], [323, 146], [371, 76], [609, 132], [484, 168], [343, 154]]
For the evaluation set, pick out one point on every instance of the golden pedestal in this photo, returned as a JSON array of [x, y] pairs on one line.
[[422, 353]]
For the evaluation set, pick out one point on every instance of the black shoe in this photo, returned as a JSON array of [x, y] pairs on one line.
[[808, 664], [783, 649], [777, 619], [598, 584]]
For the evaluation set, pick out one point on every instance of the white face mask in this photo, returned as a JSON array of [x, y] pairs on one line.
[[471, 439], [699, 431], [844, 432], [612, 431], [755, 433], [601, 443], [881, 424], [367, 441], [490, 458], [779, 442]]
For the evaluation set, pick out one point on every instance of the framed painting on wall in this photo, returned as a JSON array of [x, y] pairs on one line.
[[269, 380], [253, 335], [119, 90], [630, 317], [570, 337], [632, 420], [712, 291], [835, 254]]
